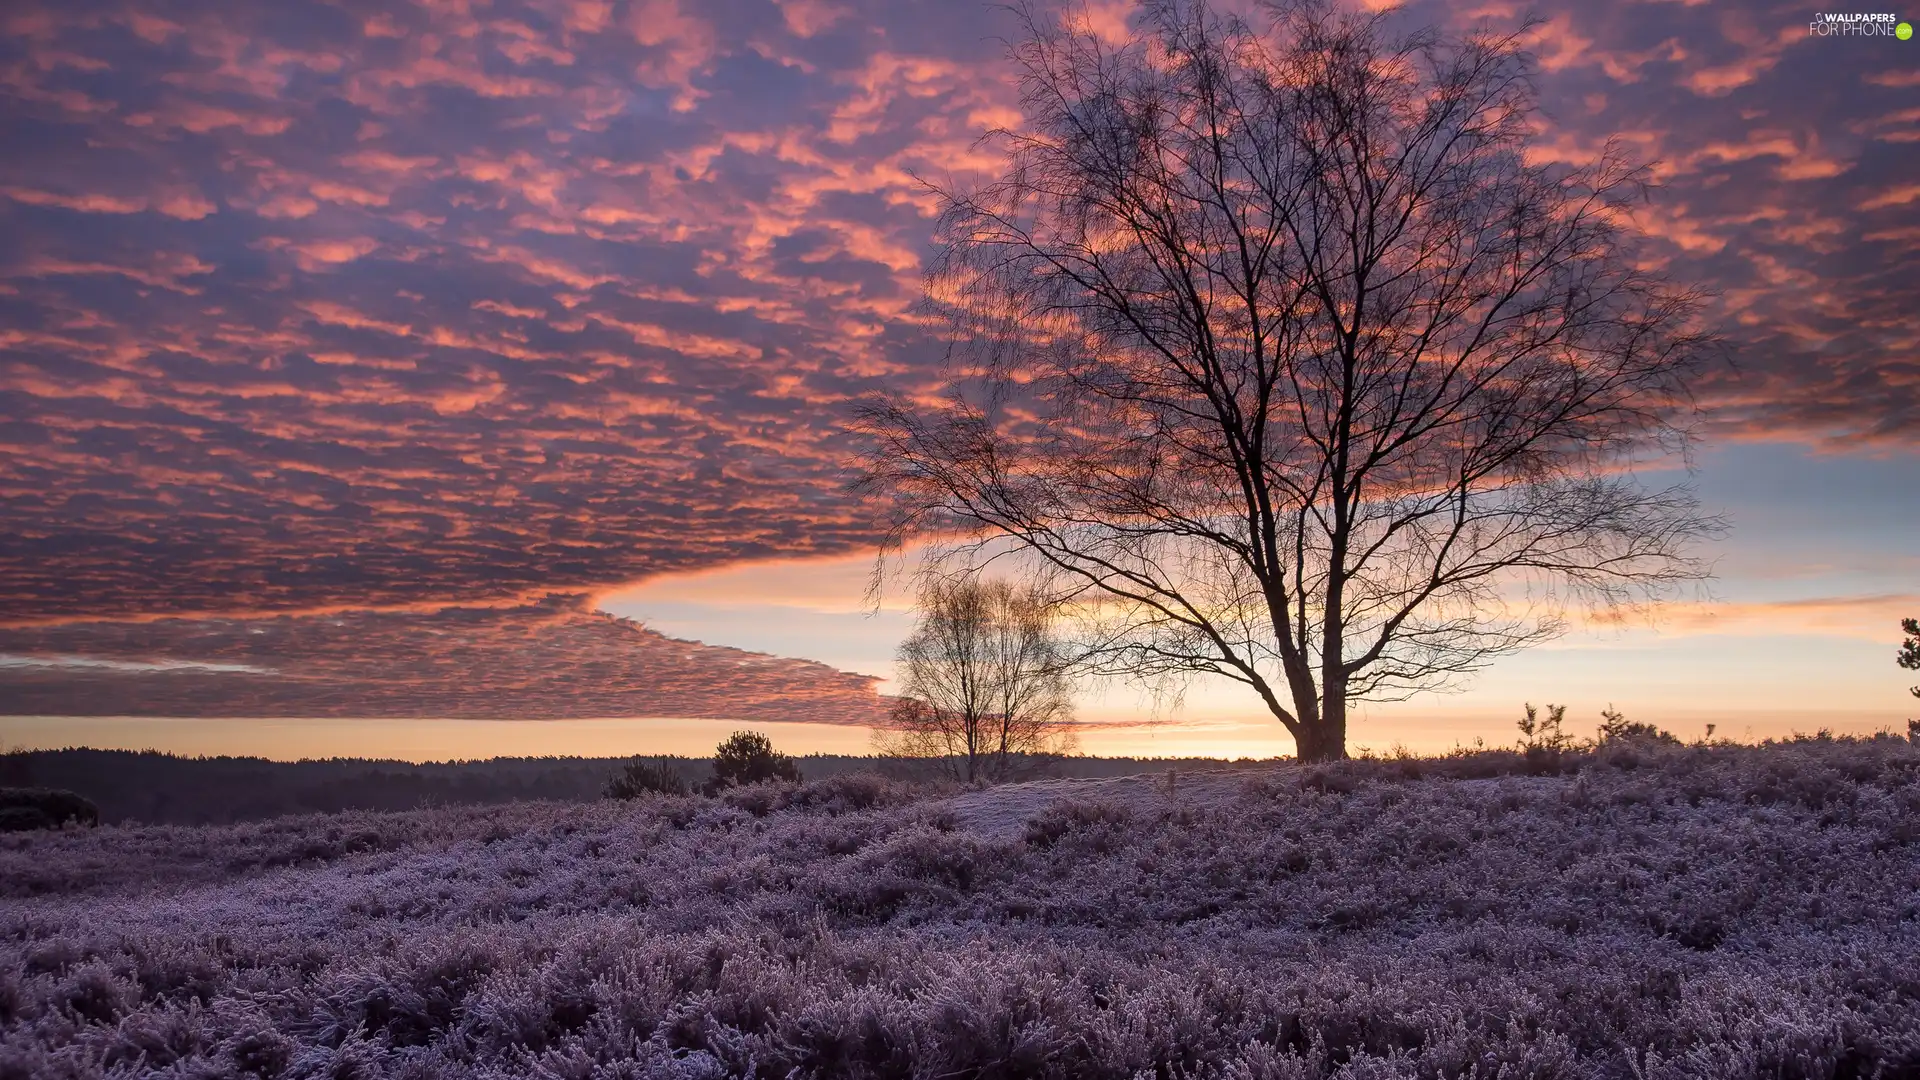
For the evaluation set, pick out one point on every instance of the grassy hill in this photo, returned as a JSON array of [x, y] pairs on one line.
[[1636, 911]]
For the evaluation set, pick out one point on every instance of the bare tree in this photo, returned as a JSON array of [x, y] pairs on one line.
[[1279, 351], [985, 680]]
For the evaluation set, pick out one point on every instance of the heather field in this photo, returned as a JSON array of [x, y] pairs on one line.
[[1635, 911]]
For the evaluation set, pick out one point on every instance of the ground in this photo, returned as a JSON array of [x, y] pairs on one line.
[[1640, 911]]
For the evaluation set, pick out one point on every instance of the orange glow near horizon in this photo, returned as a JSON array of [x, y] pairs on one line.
[[428, 740]]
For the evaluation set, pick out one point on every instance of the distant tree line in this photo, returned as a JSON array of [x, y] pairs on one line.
[[154, 787]]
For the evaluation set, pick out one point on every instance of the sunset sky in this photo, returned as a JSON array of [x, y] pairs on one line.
[[457, 378]]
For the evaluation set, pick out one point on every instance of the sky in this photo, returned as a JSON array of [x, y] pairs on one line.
[[455, 378]]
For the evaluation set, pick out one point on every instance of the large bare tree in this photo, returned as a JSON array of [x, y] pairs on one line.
[[1280, 348], [984, 679]]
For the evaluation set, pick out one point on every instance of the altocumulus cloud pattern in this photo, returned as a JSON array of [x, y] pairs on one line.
[[548, 660], [308, 306]]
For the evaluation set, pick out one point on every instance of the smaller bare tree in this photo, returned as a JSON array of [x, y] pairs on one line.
[[986, 683]]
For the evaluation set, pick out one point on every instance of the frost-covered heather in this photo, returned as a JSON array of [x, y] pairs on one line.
[[1685, 913]]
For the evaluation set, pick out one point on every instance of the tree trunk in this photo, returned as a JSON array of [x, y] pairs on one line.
[[1310, 730], [1332, 736], [1318, 743], [1322, 734]]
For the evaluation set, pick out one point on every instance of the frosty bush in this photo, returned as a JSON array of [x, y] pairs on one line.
[[1647, 910], [661, 776]]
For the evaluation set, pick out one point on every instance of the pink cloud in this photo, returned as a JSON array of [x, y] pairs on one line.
[[546, 660], [86, 204]]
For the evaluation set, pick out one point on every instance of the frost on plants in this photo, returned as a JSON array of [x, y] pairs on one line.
[[1639, 910]]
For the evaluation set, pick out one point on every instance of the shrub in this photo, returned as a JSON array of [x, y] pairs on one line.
[[661, 776], [43, 808], [1615, 726], [1537, 735], [1101, 821], [849, 792], [24, 819], [782, 792], [748, 757], [1337, 779], [758, 799]]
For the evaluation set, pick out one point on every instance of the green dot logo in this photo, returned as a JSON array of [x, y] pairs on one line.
[[1903, 31]]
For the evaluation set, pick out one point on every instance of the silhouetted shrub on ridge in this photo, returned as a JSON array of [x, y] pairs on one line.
[[747, 758], [43, 808], [1615, 727]]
